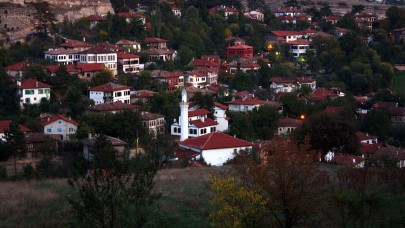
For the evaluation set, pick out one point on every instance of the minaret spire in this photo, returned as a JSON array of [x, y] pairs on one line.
[[184, 115]]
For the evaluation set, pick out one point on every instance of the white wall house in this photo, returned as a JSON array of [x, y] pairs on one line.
[[366, 138], [32, 91], [63, 56], [100, 55], [286, 125], [220, 116], [288, 85], [128, 63], [299, 47], [59, 125], [110, 92], [243, 105], [5, 124], [215, 148], [198, 124]]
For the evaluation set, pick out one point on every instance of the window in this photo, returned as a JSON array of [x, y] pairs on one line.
[[59, 130], [47, 91], [27, 100], [70, 129], [29, 91], [40, 91], [49, 130]]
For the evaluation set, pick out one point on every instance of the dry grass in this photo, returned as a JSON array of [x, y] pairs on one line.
[[43, 203]]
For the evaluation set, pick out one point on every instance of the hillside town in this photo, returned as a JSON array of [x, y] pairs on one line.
[[207, 85]]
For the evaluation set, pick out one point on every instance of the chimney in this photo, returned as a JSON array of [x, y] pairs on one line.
[[36, 84], [84, 39], [354, 160], [202, 119], [48, 118], [89, 135]]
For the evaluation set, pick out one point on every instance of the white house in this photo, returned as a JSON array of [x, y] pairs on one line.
[[63, 56], [5, 124], [220, 116], [245, 104], [17, 69], [129, 44], [128, 63], [198, 124], [153, 122], [59, 125], [118, 145], [254, 15], [110, 92], [32, 91], [286, 125], [215, 148], [366, 138], [299, 47], [100, 55], [176, 11], [288, 85]]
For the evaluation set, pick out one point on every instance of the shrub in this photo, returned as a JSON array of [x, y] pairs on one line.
[[28, 171], [3, 173]]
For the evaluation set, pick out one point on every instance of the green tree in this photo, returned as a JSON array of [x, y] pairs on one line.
[[43, 18], [144, 81], [377, 122], [9, 102], [328, 132], [14, 143], [205, 101], [110, 198], [36, 71], [242, 82], [293, 106], [102, 77]]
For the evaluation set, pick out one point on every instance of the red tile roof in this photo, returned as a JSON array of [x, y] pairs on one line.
[[5, 124], [287, 33], [207, 122], [239, 46], [116, 106], [50, 119], [215, 140], [127, 56], [247, 101], [347, 159], [126, 42], [143, 94], [31, 83], [154, 40], [198, 112], [90, 67], [151, 116], [21, 66], [110, 87], [183, 153], [299, 42], [219, 105], [370, 148], [365, 136], [289, 122], [96, 18], [322, 93]]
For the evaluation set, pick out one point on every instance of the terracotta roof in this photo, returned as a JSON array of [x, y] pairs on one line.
[[154, 40], [299, 42], [286, 33], [116, 106], [207, 122], [98, 50], [75, 44], [96, 18], [150, 116], [143, 94], [110, 87], [247, 101], [33, 137], [219, 105], [21, 66], [198, 112], [114, 141], [347, 159], [215, 140], [61, 51], [242, 94], [89, 67], [289, 122], [223, 8], [155, 51], [183, 153], [322, 93], [239, 46], [165, 74], [365, 136], [332, 18], [127, 56], [126, 42], [205, 63], [370, 148], [5, 124], [213, 87], [50, 119], [31, 83], [286, 18]]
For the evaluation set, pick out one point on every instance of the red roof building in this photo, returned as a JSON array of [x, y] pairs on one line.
[[153, 42], [110, 92], [17, 69], [5, 124], [215, 148], [60, 125], [227, 10], [243, 105], [173, 80], [239, 50], [112, 107]]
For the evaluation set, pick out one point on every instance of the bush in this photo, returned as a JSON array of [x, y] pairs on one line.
[[28, 171], [44, 168]]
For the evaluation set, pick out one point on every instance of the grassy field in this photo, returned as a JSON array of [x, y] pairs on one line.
[[398, 83], [184, 200]]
